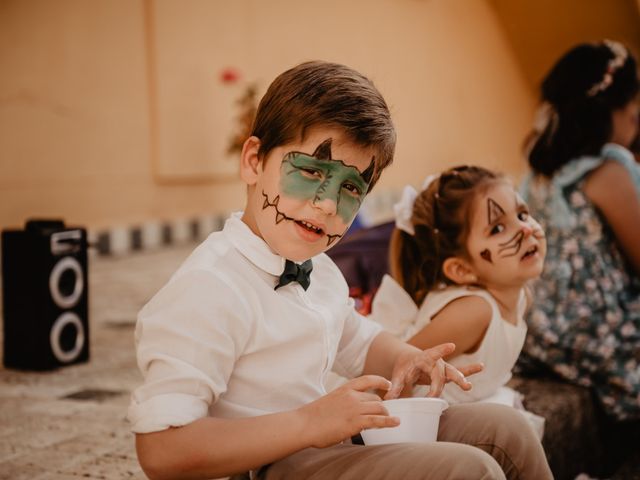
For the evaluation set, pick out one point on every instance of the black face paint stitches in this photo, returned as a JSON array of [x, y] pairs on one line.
[[281, 216], [319, 177]]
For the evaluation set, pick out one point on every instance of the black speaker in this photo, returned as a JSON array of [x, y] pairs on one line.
[[45, 295]]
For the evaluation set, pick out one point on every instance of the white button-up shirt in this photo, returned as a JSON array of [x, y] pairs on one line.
[[219, 340]]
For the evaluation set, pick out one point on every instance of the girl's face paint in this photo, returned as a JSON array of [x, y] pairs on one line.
[[510, 242], [494, 211], [306, 193], [512, 246]]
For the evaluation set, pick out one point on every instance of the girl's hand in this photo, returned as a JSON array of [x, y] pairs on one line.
[[347, 411], [428, 368]]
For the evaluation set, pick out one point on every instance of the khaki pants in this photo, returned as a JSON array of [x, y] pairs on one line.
[[475, 441]]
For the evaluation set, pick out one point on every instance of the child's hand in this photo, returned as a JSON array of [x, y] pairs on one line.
[[428, 368], [347, 411]]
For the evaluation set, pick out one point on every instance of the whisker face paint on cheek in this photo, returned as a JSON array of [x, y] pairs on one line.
[[280, 216], [512, 244], [319, 177]]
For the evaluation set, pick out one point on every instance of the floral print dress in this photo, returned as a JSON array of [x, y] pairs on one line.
[[585, 320]]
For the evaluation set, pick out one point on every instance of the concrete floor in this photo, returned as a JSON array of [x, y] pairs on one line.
[[70, 423]]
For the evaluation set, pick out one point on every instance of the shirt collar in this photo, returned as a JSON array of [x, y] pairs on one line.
[[254, 248]]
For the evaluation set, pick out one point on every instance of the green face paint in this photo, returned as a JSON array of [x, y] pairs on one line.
[[306, 177]]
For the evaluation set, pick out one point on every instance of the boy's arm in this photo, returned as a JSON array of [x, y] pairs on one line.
[[407, 365], [186, 359], [215, 447]]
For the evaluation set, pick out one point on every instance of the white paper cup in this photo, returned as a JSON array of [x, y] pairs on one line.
[[419, 420]]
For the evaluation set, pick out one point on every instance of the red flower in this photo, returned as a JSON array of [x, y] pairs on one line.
[[229, 75]]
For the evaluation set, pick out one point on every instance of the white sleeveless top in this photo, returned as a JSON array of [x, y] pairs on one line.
[[394, 309]]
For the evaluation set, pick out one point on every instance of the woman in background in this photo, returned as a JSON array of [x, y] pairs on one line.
[[585, 191]]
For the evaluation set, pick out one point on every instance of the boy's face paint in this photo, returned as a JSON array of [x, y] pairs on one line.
[[507, 246], [306, 177], [309, 193]]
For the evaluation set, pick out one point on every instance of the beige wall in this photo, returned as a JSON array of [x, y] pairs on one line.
[[543, 30], [111, 112]]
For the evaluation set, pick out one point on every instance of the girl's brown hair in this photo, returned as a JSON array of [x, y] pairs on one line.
[[441, 218]]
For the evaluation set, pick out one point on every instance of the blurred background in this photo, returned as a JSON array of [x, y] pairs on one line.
[[116, 113], [124, 117]]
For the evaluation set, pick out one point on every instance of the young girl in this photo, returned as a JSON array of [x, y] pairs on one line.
[[585, 190], [463, 251]]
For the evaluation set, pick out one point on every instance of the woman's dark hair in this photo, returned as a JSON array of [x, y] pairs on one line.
[[582, 98], [441, 217]]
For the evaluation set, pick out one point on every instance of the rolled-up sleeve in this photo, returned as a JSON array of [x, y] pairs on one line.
[[357, 335], [188, 338]]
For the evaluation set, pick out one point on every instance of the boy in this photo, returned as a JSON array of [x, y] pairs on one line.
[[235, 347]]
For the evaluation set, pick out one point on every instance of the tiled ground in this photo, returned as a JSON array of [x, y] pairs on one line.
[[44, 434], [70, 424]]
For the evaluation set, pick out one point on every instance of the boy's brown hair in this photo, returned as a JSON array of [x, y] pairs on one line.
[[325, 94]]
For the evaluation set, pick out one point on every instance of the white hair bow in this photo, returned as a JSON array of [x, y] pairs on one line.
[[403, 210]]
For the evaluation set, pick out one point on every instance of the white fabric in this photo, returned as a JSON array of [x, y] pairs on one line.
[[218, 339], [403, 209], [499, 349], [395, 310]]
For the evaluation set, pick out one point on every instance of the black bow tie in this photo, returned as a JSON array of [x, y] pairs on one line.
[[296, 273]]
